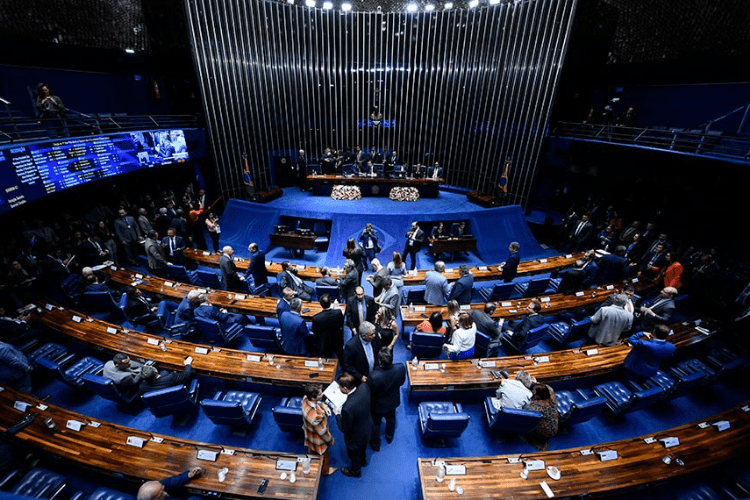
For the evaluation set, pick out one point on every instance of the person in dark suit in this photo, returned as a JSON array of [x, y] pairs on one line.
[[257, 267], [282, 306], [328, 329], [138, 308], [174, 245], [378, 277], [157, 258], [185, 313], [287, 278], [590, 268], [169, 487], [128, 234], [355, 422], [510, 266], [325, 279], [463, 287], [520, 329], [360, 353], [572, 279], [209, 311], [153, 379], [653, 261], [657, 311], [230, 278], [414, 240], [485, 323], [349, 282], [581, 234], [648, 352], [296, 339], [612, 267], [360, 308], [385, 381], [93, 252]]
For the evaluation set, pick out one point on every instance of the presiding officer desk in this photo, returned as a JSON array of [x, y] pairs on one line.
[[175, 291], [104, 447], [551, 304], [549, 367], [481, 273], [225, 363], [583, 473]]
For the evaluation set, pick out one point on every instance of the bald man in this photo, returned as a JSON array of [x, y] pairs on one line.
[[159, 490]]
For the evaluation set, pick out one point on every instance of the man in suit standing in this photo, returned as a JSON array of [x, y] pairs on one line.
[[581, 233], [378, 278], [296, 339], [658, 311], [389, 297], [230, 278], [612, 267], [386, 381], [360, 353], [462, 289], [257, 267], [436, 285], [572, 279], [608, 323], [485, 323], [349, 282], [510, 266], [128, 234], [157, 258], [648, 352], [414, 240], [355, 422], [283, 305], [328, 329], [174, 246], [360, 308]]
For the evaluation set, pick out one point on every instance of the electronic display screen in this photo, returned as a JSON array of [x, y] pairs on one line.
[[35, 170]]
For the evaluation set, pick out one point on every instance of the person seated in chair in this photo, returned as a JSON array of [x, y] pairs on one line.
[[209, 311], [462, 341], [515, 392], [138, 307], [521, 328], [124, 372], [288, 278], [154, 379], [325, 279]]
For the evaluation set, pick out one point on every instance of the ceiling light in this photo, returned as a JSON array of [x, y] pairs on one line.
[[310, 3], [448, 5], [429, 7], [412, 7], [327, 5], [129, 51], [473, 3], [494, 2], [346, 7]]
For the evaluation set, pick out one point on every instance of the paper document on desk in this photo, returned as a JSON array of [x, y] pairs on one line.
[[334, 395]]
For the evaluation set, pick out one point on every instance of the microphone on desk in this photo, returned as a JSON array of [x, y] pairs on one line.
[[22, 424]]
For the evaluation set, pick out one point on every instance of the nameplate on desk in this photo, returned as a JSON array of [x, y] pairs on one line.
[[534, 464], [455, 470], [544, 299], [487, 364], [114, 268], [301, 267], [482, 268], [420, 309], [542, 261], [286, 464], [465, 307], [541, 359], [512, 311], [449, 271], [669, 442], [547, 490], [431, 366], [239, 297], [721, 425], [201, 350], [703, 330], [95, 425], [649, 440], [226, 451], [139, 276], [569, 256], [206, 254], [41, 406], [634, 280], [704, 425], [746, 408], [152, 342], [111, 330], [156, 439], [579, 294], [592, 352], [136, 441], [21, 406], [202, 290], [253, 357], [607, 455], [207, 455], [587, 452], [514, 460], [168, 283], [74, 425], [506, 304], [311, 364], [76, 319], [49, 307]]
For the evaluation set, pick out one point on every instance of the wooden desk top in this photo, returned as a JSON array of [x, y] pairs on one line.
[[637, 464], [292, 240], [356, 179], [226, 363], [551, 304], [570, 364], [105, 449], [176, 291], [481, 273]]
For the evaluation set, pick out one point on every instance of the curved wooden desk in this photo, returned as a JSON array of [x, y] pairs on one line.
[[104, 448], [638, 464], [237, 302], [551, 304], [481, 273], [231, 364], [570, 364]]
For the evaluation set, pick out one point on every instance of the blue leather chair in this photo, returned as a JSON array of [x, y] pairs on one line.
[[690, 366], [533, 287], [534, 336], [321, 236], [104, 387], [510, 420], [39, 483], [724, 360], [234, 408], [561, 331], [175, 400], [209, 279], [332, 291], [215, 333], [73, 374], [481, 345], [498, 292], [288, 415], [99, 302], [575, 409], [442, 420], [143, 260], [264, 337], [413, 295], [620, 398], [182, 275], [53, 352], [427, 345], [107, 494], [137, 320]]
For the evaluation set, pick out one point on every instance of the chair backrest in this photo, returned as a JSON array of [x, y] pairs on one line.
[[331, 290], [414, 295], [580, 326], [105, 388], [170, 401], [98, 302], [39, 483], [209, 279], [223, 412], [107, 494], [426, 345], [74, 373], [263, 337], [319, 228], [481, 345], [513, 420], [210, 329], [166, 313], [178, 273], [442, 419], [536, 286], [535, 335], [501, 291], [144, 263], [288, 414]]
